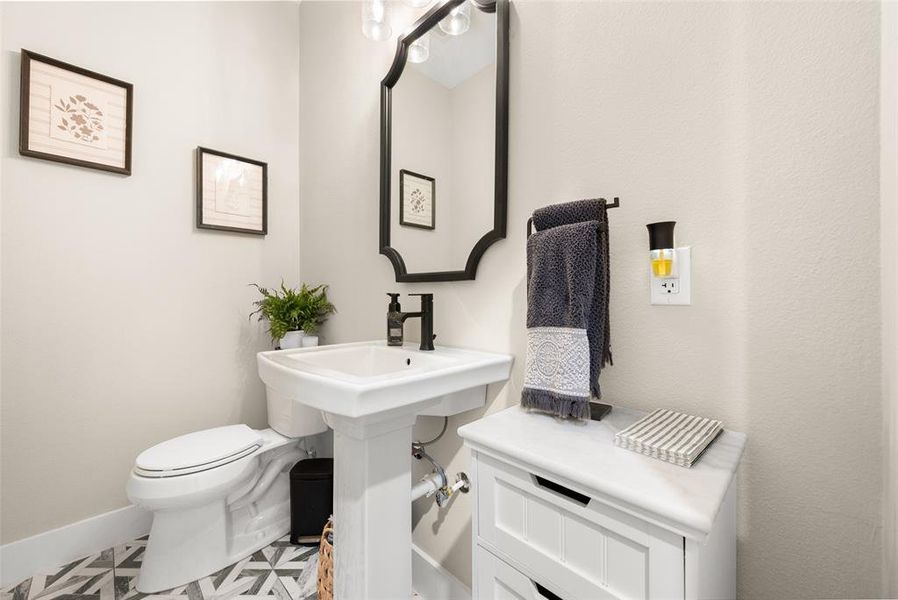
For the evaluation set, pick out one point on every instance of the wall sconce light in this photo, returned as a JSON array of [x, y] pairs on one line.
[[671, 267], [376, 20], [458, 20], [419, 50]]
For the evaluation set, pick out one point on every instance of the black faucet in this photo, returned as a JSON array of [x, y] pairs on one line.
[[396, 320]]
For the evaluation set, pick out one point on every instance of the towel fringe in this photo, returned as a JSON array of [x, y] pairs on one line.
[[558, 405]]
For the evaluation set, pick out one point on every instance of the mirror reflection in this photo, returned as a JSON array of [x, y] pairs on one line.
[[444, 143]]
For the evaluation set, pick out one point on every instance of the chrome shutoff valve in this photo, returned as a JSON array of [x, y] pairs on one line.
[[462, 484]]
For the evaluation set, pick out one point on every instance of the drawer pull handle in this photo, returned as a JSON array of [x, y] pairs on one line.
[[577, 497], [546, 593]]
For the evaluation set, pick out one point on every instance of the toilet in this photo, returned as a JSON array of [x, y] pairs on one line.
[[218, 495]]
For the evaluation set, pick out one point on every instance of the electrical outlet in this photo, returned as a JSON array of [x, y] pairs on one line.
[[663, 288], [671, 286], [674, 290]]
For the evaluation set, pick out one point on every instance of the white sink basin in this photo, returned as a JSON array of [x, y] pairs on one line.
[[359, 362], [364, 378]]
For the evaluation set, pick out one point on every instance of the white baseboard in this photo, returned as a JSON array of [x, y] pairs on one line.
[[432, 581], [23, 558]]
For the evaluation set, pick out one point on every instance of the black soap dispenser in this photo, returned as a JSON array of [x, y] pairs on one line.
[[394, 321]]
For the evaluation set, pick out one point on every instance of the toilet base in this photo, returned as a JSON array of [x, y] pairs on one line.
[[189, 543], [197, 534]]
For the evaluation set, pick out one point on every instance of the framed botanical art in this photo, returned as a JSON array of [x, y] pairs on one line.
[[231, 192], [417, 198], [71, 115]]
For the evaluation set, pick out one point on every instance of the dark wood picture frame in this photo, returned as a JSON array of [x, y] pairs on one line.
[[25, 113], [200, 223], [433, 199], [500, 202]]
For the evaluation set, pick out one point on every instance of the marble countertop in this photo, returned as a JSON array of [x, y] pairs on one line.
[[685, 500]]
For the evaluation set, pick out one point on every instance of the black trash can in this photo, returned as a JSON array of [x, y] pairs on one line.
[[311, 498]]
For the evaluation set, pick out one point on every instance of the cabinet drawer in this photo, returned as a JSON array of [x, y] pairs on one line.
[[497, 580], [572, 543]]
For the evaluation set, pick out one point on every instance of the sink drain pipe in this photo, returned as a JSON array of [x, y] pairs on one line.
[[428, 486], [436, 483]]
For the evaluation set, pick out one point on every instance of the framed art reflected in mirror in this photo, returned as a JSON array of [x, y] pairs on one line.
[[417, 200]]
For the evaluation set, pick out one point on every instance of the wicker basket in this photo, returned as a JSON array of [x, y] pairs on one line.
[[326, 564]]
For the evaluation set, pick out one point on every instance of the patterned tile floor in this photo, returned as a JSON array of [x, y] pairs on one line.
[[276, 570]]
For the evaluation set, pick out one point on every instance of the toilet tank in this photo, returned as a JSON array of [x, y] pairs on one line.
[[290, 418]]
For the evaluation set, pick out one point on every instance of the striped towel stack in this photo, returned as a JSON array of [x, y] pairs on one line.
[[669, 436]]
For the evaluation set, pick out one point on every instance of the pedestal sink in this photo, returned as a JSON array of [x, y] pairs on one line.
[[370, 394]]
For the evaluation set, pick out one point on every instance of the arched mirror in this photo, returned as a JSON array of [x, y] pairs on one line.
[[444, 142]]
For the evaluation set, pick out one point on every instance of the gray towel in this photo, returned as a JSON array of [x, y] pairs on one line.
[[600, 329], [567, 308]]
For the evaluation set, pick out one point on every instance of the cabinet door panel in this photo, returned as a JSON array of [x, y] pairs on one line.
[[555, 534]]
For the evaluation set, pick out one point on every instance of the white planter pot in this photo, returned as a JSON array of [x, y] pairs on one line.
[[293, 339], [309, 341]]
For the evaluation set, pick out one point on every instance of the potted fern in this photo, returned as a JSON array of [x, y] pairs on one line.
[[293, 315]]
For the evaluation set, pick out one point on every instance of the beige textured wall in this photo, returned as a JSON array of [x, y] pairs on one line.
[[889, 246], [753, 125], [3, 128], [121, 324]]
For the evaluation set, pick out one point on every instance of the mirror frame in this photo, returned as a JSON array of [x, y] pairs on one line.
[[500, 203]]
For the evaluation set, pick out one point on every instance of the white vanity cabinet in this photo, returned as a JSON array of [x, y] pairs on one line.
[[561, 513]]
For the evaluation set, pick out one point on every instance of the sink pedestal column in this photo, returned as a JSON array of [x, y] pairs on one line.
[[372, 507]]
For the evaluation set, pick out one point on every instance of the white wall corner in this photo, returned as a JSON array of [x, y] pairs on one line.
[[432, 581], [23, 558]]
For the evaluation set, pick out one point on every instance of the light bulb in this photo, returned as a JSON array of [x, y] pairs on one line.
[[420, 49], [376, 20], [458, 20]]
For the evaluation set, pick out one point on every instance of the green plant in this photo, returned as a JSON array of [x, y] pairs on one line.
[[288, 309]]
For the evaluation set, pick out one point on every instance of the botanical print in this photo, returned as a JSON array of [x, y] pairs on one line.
[[416, 202], [232, 194], [77, 117], [74, 116]]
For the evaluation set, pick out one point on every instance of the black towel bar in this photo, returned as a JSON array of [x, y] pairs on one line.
[[614, 204]]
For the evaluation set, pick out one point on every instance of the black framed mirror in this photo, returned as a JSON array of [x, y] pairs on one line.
[[444, 136]]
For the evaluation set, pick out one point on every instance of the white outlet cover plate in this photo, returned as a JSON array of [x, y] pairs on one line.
[[674, 291]]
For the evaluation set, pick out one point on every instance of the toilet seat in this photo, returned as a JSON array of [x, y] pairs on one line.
[[198, 451]]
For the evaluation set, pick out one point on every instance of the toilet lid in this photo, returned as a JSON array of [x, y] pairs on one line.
[[199, 450]]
